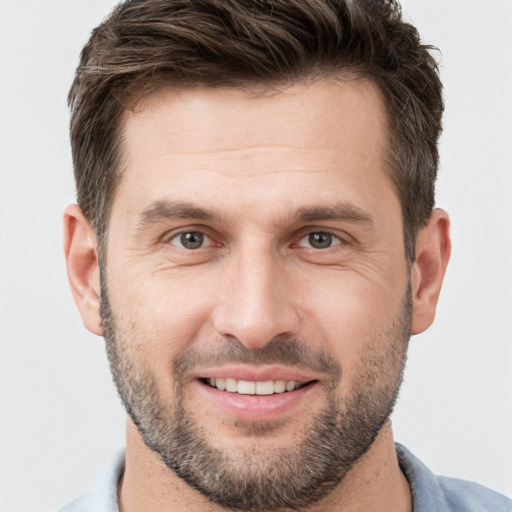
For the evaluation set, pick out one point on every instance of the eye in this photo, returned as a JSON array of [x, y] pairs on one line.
[[319, 240], [190, 240]]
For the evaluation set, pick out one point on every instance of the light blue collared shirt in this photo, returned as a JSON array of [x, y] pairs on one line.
[[430, 493]]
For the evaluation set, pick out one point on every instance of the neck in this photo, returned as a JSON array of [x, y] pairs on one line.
[[375, 482]]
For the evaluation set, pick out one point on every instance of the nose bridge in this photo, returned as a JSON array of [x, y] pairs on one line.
[[256, 304]]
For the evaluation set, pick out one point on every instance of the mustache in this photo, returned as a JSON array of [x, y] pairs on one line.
[[279, 351]]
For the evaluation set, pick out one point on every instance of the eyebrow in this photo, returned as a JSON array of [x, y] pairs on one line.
[[168, 210], [346, 212], [163, 210]]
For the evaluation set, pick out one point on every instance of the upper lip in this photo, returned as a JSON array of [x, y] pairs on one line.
[[256, 373]]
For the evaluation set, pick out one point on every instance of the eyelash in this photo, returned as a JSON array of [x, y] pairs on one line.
[[341, 240], [304, 234], [169, 239]]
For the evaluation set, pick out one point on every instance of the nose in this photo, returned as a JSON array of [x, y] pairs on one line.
[[257, 301]]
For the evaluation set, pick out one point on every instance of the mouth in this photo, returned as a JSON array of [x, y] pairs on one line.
[[256, 394], [249, 387]]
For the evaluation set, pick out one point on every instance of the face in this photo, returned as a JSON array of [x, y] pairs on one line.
[[255, 290]]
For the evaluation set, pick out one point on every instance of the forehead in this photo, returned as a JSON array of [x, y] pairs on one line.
[[223, 118], [306, 140]]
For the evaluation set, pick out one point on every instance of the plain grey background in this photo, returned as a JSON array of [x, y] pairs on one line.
[[60, 419]]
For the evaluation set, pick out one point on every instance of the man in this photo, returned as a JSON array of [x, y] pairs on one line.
[[256, 240]]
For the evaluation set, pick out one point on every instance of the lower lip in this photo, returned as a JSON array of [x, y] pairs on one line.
[[253, 408]]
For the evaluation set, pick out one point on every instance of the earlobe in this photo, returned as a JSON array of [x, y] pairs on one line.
[[81, 254], [433, 247]]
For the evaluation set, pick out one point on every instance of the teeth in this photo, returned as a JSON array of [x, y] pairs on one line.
[[248, 387], [279, 386], [231, 385], [264, 388], [290, 385]]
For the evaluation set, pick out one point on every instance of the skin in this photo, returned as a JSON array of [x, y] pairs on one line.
[[256, 162]]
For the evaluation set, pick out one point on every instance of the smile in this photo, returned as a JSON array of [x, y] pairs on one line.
[[259, 393], [247, 387]]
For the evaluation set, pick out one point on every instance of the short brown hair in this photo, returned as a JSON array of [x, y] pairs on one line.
[[148, 44]]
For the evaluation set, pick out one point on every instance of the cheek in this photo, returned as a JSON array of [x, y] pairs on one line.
[[348, 314], [163, 313]]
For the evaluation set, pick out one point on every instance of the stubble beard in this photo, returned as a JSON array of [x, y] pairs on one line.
[[267, 480]]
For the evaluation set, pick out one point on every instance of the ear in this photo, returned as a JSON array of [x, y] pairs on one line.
[[433, 248], [81, 253]]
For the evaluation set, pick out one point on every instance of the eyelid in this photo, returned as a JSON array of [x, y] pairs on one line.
[[206, 241], [342, 236], [337, 240], [167, 237]]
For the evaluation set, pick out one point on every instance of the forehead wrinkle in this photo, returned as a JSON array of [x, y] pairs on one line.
[[237, 174], [249, 148]]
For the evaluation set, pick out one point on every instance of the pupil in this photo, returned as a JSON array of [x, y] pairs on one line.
[[320, 240], [192, 240]]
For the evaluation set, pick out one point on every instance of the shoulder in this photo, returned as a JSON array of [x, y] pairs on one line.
[[463, 495], [443, 494], [103, 497]]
